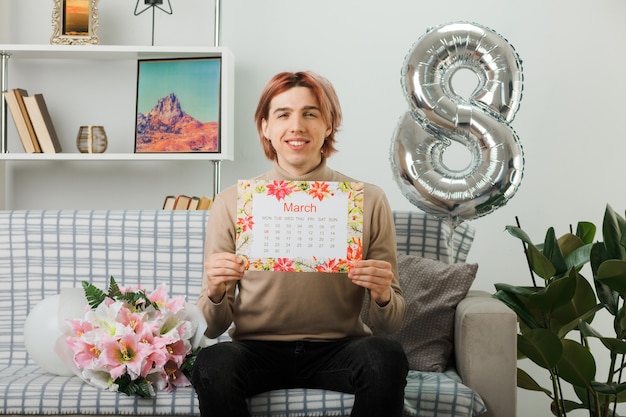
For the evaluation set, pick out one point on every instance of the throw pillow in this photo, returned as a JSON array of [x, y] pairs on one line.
[[432, 289]]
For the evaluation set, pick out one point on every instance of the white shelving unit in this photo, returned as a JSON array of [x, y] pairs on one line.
[[106, 59]]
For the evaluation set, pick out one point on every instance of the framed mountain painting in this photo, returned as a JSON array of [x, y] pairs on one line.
[[178, 105]]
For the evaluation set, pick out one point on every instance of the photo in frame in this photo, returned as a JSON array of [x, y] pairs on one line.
[[178, 105], [75, 22]]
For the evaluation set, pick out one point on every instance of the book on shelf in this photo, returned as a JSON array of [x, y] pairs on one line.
[[205, 203], [193, 203], [169, 202], [42, 123], [15, 102], [182, 202]]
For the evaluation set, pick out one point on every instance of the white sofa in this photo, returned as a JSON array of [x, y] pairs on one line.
[[42, 252]]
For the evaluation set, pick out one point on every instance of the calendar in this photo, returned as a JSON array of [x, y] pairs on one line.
[[299, 226]]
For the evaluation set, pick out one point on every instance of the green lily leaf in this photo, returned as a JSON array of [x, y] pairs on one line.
[[541, 346], [612, 272], [586, 231], [527, 382], [577, 365]]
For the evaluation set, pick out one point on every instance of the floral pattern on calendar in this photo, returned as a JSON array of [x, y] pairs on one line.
[[300, 226]]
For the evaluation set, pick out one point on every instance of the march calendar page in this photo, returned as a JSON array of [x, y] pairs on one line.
[[299, 226]]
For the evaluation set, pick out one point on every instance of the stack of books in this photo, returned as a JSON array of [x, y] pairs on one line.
[[33, 122], [183, 202]]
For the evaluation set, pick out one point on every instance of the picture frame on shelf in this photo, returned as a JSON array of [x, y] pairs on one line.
[[178, 105], [75, 22]]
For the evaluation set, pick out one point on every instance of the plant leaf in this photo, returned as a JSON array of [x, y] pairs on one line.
[[579, 257], [552, 251], [536, 259], [139, 386], [541, 346], [519, 233], [614, 345], [557, 293], [527, 382], [612, 272], [577, 365], [608, 297], [586, 231], [188, 363], [608, 389], [568, 243], [114, 289], [586, 317], [564, 318], [508, 295], [540, 264], [570, 406], [95, 296], [612, 227]]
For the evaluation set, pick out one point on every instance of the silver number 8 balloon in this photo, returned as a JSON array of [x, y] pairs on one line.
[[438, 115]]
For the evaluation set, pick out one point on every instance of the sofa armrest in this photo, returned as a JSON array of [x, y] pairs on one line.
[[485, 346]]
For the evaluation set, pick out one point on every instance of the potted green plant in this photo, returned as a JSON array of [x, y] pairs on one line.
[[556, 312]]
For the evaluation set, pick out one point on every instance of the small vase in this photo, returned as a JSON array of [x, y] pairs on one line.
[[91, 139]]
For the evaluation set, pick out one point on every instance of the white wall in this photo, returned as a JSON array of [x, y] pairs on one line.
[[568, 122]]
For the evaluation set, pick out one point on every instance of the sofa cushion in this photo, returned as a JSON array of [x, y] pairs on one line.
[[427, 394], [423, 235], [432, 289]]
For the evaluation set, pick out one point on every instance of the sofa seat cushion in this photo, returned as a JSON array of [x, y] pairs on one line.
[[29, 390], [432, 393]]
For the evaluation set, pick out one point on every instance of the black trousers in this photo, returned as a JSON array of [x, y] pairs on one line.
[[374, 369]]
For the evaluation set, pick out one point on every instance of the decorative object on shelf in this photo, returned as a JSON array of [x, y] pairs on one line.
[[42, 123], [91, 139], [439, 116], [153, 4], [74, 22], [178, 105], [25, 130]]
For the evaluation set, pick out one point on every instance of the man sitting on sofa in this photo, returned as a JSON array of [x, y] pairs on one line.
[[301, 329]]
